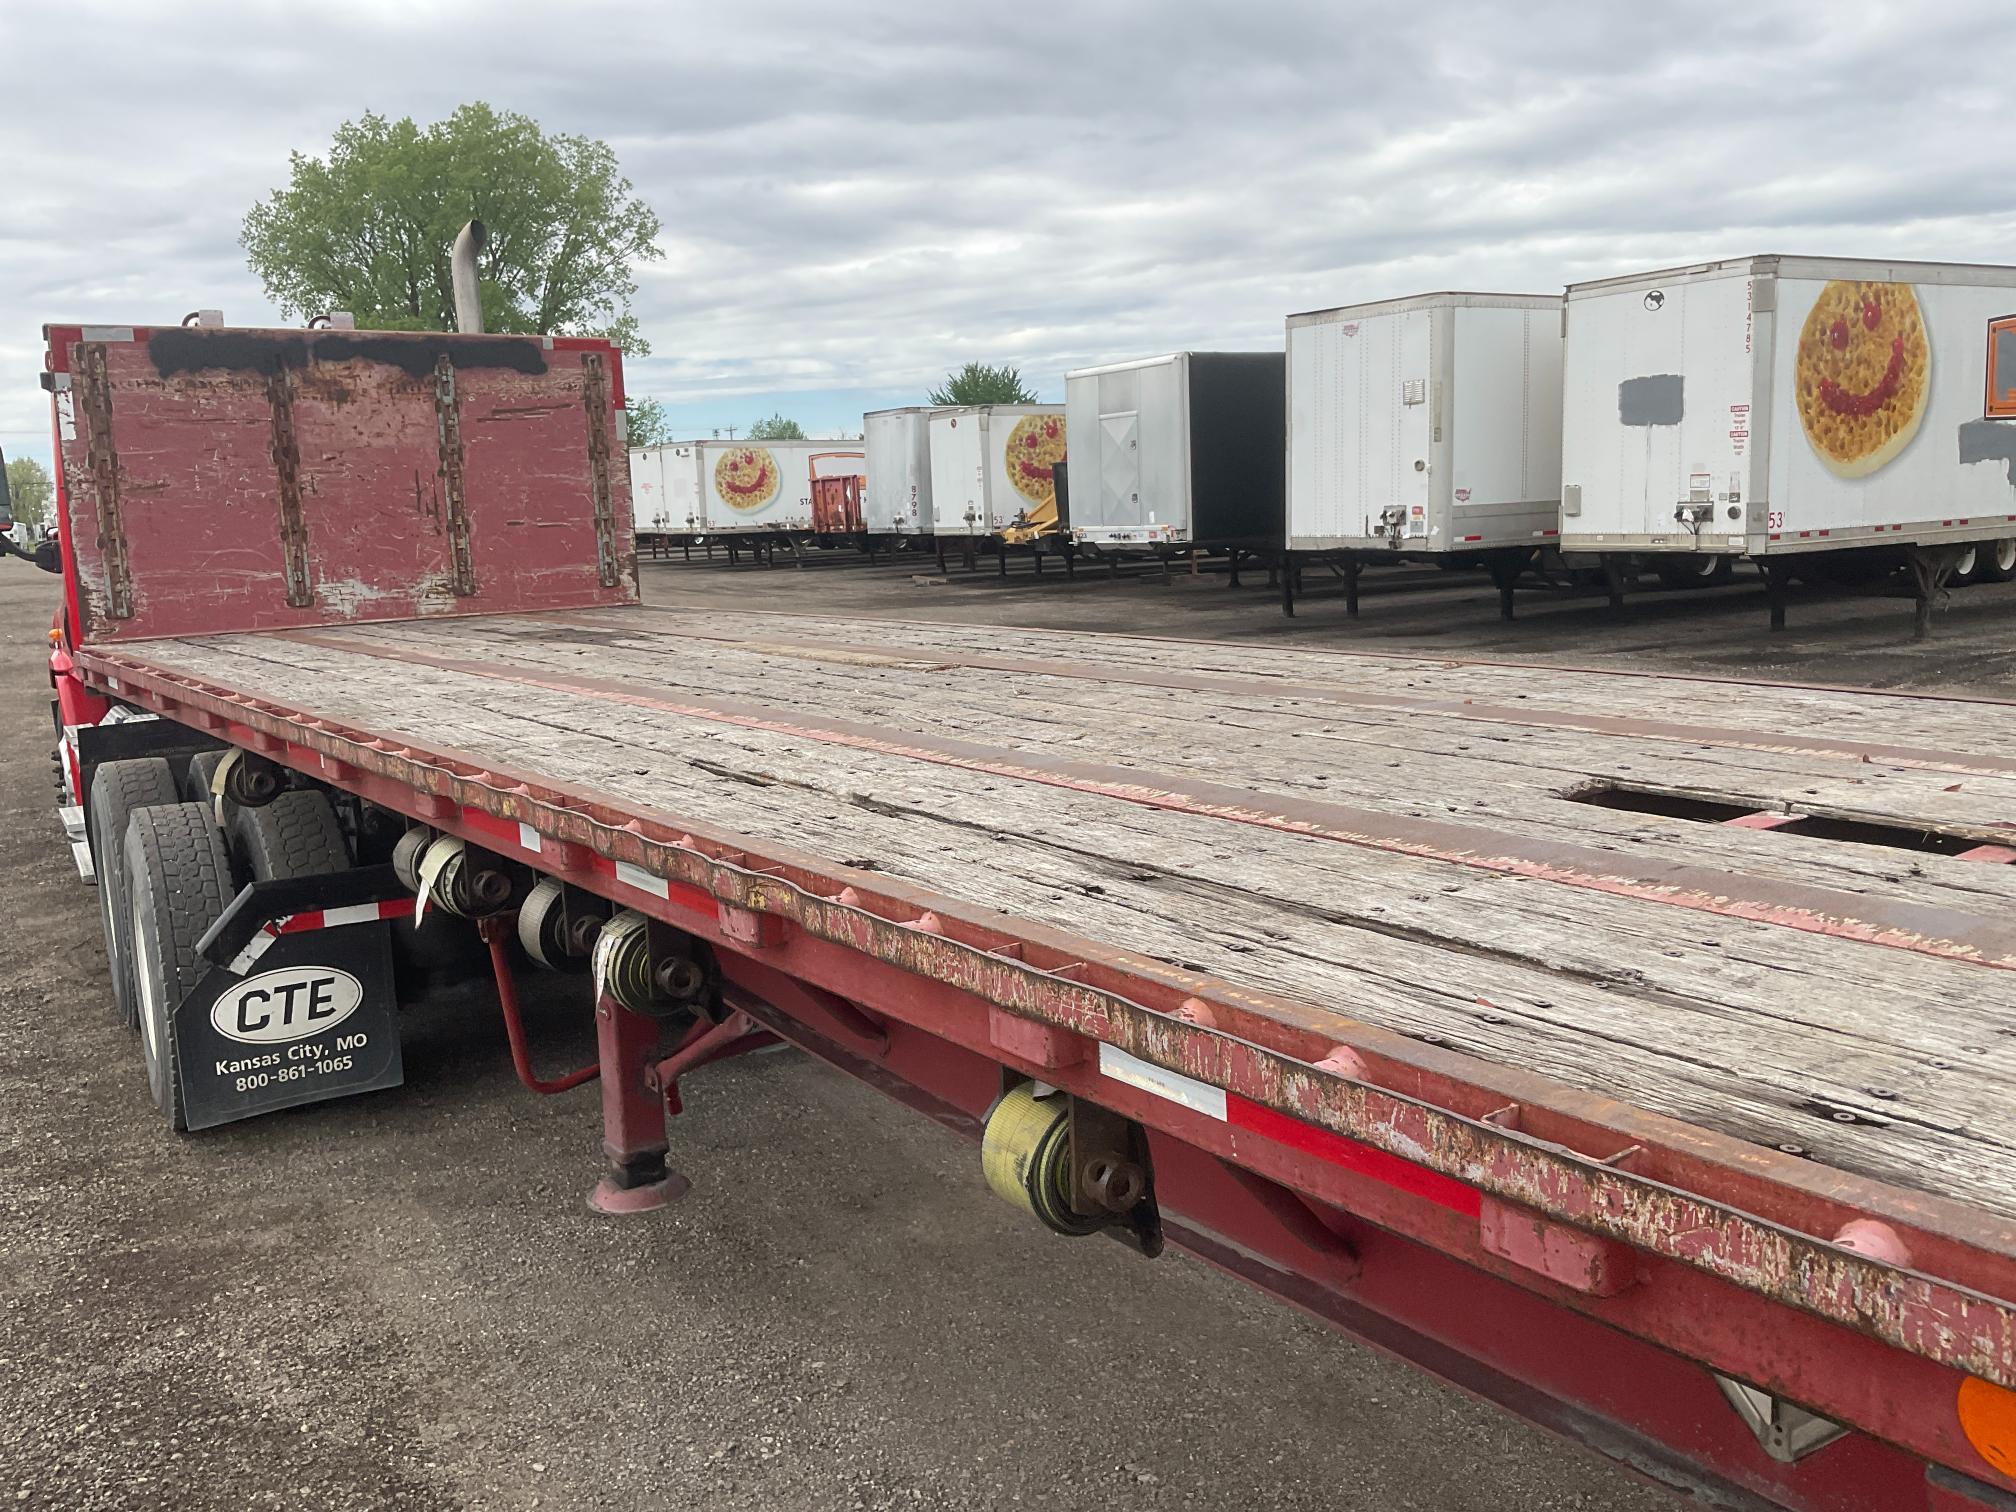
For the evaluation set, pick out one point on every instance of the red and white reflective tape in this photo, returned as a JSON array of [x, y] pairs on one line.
[[316, 918], [510, 831], [73, 765], [1242, 1113]]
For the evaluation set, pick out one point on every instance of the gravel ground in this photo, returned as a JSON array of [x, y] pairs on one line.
[[401, 1302]]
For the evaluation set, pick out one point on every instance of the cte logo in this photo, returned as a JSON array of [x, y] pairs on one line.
[[290, 1004]]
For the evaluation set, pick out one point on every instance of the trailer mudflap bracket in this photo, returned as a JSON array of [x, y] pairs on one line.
[[299, 1004]]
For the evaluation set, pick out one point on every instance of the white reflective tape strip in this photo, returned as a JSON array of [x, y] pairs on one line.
[[528, 839], [107, 333], [258, 945], [643, 881], [355, 913], [218, 779], [1135, 1072], [433, 861]]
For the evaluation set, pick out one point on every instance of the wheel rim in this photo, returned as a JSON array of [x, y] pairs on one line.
[[2005, 556], [1969, 560], [149, 1006], [105, 909]]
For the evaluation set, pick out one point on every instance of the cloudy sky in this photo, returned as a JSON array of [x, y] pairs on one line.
[[857, 198]]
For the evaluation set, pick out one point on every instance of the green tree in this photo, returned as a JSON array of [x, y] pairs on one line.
[[29, 487], [776, 428], [980, 383], [368, 227], [644, 421]]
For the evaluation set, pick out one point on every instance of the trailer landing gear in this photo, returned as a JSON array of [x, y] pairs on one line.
[[1931, 570], [1507, 567], [1777, 580], [633, 1116], [1617, 579], [647, 976]]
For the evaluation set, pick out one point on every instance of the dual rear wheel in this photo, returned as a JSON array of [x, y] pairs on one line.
[[1704, 570], [166, 870], [1986, 562]]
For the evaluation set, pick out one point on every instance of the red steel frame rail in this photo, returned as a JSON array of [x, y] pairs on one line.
[[1580, 1248]]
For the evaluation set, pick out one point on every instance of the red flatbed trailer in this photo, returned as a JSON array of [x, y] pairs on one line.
[[1631, 1051]]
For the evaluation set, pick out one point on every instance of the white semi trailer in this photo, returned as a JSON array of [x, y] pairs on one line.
[[1782, 408], [665, 493], [897, 444], [994, 475], [1428, 428], [1178, 451]]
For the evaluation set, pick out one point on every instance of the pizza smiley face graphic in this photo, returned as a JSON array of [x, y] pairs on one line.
[[1035, 447], [747, 478], [1862, 374]]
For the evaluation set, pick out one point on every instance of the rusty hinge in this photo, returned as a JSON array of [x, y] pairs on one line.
[[595, 400], [103, 463], [448, 423], [286, 450]]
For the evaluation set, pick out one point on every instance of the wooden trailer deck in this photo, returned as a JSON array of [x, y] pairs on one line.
[[1403, 842]]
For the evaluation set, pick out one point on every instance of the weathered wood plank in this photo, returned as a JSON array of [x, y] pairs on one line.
[[1760, 1031]]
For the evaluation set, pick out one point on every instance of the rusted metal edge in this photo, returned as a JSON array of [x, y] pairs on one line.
[[286, 451], [1426, 663], [102, 461], [1925, 929], [1053, 978], [454, 490], [595, 400], [1225, 685]]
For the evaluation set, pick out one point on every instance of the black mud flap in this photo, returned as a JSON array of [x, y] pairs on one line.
[[298, 1005]]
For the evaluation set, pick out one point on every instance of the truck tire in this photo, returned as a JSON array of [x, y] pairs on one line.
[[1695, 571], [1998, 561], [196, 775], [119, 789], [296, 835], [179, 873]]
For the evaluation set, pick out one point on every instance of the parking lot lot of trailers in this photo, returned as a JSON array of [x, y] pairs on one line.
[[693, 491]]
